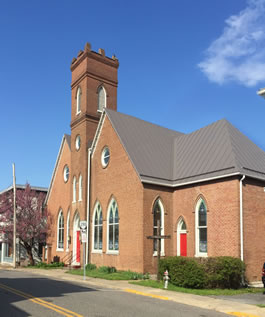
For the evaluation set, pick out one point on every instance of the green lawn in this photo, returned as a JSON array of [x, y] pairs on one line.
[[119, 275], [203, 292]]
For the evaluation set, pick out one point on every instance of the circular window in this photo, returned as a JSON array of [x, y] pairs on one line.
[[77, 142], [66, 173], [105, 156]]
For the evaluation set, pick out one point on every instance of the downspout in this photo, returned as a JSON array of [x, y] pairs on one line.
[[241, 218], [88, 203]]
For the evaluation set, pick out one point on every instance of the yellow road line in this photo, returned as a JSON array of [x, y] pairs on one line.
[[145, 294], [240, 314], [58, 309]]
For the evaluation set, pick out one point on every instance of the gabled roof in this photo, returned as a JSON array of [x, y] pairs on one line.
[[66, 139], [171, 158], [36, 188]]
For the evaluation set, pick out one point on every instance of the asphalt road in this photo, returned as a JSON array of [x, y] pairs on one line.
[[25, 294]]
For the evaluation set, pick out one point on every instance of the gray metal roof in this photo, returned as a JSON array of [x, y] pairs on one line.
[[172, 158]]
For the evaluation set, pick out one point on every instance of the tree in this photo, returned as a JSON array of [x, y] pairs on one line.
[[31, 218]]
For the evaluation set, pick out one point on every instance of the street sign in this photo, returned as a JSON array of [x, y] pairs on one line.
[[83, 225], [83, 235]]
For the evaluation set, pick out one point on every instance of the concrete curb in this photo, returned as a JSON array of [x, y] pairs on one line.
[[219, 305]]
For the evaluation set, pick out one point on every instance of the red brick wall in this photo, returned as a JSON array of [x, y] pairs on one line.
[[59, 200], [118, 180], [254, 228]]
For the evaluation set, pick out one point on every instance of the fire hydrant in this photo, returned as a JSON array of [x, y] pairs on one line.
[[166, 278]]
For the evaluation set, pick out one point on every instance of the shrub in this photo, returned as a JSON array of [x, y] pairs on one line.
[[184, 272], [90, 267], [224, 272], [212, 272]]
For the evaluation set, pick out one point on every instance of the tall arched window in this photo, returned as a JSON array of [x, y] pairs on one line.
[[80, 188], [158, 215], [78, 100], [60, 231], [97, 227], [74, 189], [201, 228], [68, 230], [113, 227], [102, 98]]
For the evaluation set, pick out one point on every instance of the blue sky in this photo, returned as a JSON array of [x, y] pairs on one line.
[[183, 65]]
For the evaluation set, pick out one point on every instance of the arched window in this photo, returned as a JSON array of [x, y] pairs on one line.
[[60, 231], [201, 228], [80, 188], [158, 217], [102, 98], [78, 100], [113, 227], [74, 189], [97, 227], [181, 238], [68, 230]]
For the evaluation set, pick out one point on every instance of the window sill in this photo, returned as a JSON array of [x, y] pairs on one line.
[[59, 250], [97, 251], [113, 252], [201, 255], [161, 254]]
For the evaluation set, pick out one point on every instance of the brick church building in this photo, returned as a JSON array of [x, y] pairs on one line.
[[123, 174]]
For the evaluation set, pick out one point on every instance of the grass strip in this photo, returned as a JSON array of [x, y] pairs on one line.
[[119, 275], [202, 292]]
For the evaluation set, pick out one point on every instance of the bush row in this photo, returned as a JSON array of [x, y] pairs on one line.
[[212, 272]]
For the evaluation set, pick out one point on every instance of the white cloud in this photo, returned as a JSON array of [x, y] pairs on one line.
[[239, 53]]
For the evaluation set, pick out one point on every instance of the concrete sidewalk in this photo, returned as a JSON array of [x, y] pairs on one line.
[[221, 305]]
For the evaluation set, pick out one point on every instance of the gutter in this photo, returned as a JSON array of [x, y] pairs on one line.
[[241, 217], [88, 203]]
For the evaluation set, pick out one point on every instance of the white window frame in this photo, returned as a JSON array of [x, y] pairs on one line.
[[74, 189], [197, 229], [93, 226], [78, 100], [179, 232], [59, 229], [102, 89], [104, 156], [109, 209], [66, 173], [80, 188], [162, 225], [67, 230]]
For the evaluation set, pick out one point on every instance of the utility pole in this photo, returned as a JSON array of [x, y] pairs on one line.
[[14, 218]]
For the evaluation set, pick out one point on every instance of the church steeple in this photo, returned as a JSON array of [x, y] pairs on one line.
[[94, 85]]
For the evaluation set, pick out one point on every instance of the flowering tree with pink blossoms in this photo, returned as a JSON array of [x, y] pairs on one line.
[[31, 218]]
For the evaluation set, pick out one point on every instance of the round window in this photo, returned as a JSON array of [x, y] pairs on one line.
[[105, 156], [66, 173], [77, 142]]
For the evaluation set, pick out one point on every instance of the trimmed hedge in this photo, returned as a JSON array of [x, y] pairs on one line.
[[183, 271], [213, 272]]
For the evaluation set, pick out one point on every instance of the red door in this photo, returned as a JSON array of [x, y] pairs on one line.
[[78, 246], [183, 244]]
